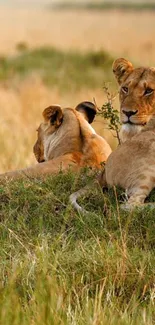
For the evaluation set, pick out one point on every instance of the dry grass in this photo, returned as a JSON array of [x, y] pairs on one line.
[[22, 102]]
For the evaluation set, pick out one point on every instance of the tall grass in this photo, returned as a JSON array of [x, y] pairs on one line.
[[59, 267]]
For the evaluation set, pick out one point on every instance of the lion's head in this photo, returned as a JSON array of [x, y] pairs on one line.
[[60, 132], [137, 96]]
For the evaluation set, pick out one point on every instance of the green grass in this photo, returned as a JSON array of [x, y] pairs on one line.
[[67, 70], [105, 5], [59, 267]]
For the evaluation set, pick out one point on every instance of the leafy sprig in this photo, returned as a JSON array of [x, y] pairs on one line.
[[110, 114]]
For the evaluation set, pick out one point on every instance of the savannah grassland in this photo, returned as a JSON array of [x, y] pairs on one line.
[[56, 266]]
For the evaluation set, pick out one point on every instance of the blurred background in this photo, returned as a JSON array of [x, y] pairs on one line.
[[61, 52]]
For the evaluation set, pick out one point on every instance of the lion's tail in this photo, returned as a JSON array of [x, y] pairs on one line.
[[101, 180], [74, 196]]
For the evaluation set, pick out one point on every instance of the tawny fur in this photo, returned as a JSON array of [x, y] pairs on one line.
[[65, 140], [132, 165]]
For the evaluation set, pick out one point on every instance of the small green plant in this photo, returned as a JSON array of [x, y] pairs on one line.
[[110, 114]]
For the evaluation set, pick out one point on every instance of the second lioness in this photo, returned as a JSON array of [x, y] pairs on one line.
[[65, 140]]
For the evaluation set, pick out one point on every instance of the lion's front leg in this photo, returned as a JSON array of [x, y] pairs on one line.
[[137, 197]]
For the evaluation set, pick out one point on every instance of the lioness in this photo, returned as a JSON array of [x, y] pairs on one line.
[[132, 165], [65, 139]]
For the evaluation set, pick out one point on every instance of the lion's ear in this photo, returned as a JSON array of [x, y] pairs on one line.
[[121, 69], [88, 109], [53, 114]]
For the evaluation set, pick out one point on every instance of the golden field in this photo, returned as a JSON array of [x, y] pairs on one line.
[[126, 34]]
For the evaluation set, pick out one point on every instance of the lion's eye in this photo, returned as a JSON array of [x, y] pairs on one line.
[[148, 91], [125, 90]]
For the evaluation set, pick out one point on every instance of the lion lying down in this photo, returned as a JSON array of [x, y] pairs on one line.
[[132, 165], [65, 139]]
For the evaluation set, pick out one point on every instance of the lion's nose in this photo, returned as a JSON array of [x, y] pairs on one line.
[[129, 113]]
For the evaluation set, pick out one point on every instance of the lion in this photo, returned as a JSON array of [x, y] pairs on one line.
[[65, 140], [132, 165]]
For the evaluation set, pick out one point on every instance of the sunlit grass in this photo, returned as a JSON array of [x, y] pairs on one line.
[[58, 267]]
